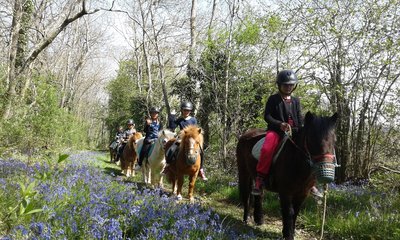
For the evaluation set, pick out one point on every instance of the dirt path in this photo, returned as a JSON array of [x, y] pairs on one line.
[[271, 229]]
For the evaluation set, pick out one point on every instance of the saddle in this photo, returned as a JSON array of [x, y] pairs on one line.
[[172, 153], [139, 149], [256, 152]]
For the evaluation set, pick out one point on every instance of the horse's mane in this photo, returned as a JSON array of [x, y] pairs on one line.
[[135, 136], [318, 127], [166, 131], [194, 132]]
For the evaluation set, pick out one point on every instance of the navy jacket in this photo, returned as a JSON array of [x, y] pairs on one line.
[[182, 123], [152, 130]]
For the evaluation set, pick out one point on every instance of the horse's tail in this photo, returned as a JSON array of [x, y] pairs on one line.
[[245, 180], [247, 172]]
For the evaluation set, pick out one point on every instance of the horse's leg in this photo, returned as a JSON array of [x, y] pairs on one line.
[[297, 202], [258, 210], [244, 193], [192, 180], [287, 211], [179, 187]]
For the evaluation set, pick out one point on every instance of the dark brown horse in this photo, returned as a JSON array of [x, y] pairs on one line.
[[130, 154], [187, 162], [293, 174], [113, 148]]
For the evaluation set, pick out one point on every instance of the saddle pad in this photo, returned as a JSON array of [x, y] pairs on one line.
[[140, 145], [256, 151], [114, 145]]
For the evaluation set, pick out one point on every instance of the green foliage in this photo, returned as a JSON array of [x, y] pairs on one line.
[[248, 33], [125, 100], [44, 125]]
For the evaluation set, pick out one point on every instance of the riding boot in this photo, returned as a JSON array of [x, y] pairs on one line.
[[201, 172], [202, 175], [316, 193], [258, 186]]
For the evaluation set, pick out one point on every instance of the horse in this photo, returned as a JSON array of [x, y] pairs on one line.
[[187, 162], [130, 154], [155, 162], [294, 172], [113, 148]]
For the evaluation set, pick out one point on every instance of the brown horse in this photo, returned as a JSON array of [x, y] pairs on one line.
[[129, 155], [309, 154], [188, 160], [113, 148]]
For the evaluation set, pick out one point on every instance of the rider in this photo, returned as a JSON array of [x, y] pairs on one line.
[[171, 120], [120, 132], [124, 137], [282, 113], [151, 129], [184, 121]]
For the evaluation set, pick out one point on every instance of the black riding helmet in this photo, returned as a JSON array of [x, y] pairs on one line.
[[286, 77], [154, 110], [130, 122], [187, 106]]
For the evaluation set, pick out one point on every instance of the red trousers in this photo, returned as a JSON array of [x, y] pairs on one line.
[[267, 152]]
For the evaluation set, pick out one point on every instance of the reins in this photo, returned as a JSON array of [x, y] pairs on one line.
[[317, 158]]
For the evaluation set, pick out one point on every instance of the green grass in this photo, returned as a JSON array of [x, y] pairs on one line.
[[371, 211]]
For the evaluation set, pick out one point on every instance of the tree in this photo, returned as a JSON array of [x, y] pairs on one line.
[[19, 61], [348, 50]]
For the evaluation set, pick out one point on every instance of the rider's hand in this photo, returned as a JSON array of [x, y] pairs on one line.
[[148, 121], [285, 127]]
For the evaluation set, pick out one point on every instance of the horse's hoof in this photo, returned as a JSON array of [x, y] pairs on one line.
[[191, 199], [179, 197]]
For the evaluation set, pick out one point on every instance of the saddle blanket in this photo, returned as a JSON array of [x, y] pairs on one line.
[[256, 150]]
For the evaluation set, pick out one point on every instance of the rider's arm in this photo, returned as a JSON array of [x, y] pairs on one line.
[[270, 107]]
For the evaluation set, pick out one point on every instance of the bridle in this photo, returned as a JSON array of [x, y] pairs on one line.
[[311, 159]]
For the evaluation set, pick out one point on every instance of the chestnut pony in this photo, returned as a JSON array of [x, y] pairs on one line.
[[294, 172], [188, 160], [130, 155]]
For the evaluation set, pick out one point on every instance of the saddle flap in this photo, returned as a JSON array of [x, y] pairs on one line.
[[256, 151]]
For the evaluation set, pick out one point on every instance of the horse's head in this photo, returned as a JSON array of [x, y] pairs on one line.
[[192, 143], [164, 136], [319, 143], [133, 139]]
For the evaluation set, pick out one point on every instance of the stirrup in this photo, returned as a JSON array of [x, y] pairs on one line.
[[256, 192]]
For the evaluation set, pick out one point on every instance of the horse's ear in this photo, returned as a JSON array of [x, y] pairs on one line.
[[163, 133], [308, 118], [199, 130], [334, 117]]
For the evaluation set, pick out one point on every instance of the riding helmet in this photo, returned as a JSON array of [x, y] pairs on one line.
[[154, 110], [187, 106], [286, 77], [130, 122]]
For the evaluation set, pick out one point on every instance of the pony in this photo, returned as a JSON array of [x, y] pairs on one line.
[[113, 148], [155, 162], [130, 154], [293, 173], [187, 162]]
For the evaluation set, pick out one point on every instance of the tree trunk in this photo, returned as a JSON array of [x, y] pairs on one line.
[[160, 65], [11, 80]]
